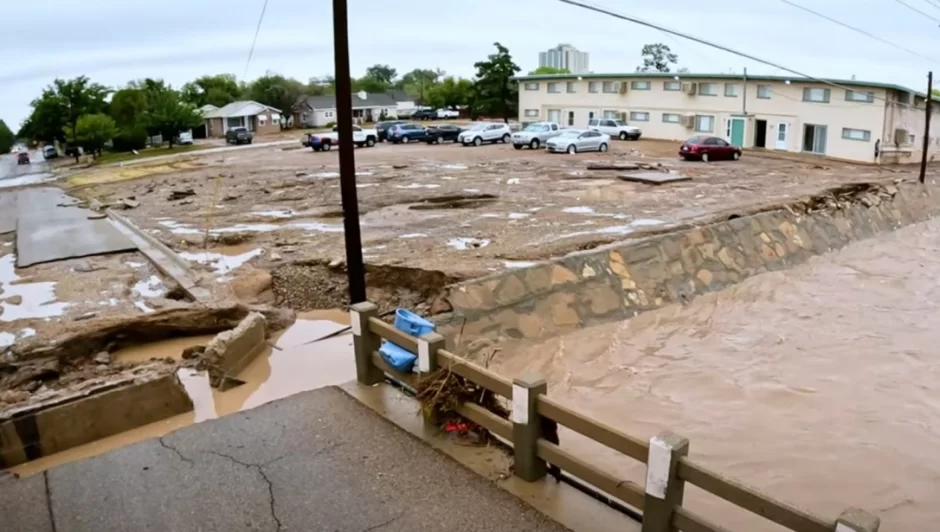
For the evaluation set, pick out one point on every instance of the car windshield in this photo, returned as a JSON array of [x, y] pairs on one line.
[[619, 123], [535, 127], [570, 133], [477, 127], [696, 140]]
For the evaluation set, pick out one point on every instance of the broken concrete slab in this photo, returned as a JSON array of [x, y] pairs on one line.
[[654, 178], [628, 165], [230, 352], [38, 430]]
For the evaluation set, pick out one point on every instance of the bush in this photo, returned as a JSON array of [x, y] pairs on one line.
[[330, 125], [383, 116], [131, 139]]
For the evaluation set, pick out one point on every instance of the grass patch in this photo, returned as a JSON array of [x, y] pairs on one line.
[[117, 157], [98, 176]]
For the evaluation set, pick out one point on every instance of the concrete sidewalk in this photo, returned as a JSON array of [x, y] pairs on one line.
[[314, 461]]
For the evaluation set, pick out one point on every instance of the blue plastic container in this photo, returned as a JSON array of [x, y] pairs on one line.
[[407, 322]]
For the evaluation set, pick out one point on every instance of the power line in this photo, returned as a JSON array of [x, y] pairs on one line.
[[933, 3], [721, 47], [857, 30], [912, 8], [251, 52]]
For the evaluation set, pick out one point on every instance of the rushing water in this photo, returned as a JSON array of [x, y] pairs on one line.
[[819, 385]]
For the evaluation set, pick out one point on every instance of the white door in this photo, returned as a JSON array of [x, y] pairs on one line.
[[781, 135], [554, 115]]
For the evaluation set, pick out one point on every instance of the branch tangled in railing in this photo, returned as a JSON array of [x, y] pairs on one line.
[[442, 392]]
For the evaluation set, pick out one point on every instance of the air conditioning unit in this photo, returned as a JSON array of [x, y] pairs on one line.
[[623, 87], [687, 121], [690, 87], [900, 137]]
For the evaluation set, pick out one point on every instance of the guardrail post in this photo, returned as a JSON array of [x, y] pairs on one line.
[[664, 489], [365, 342], [427, 364], [857, 520], [526, 428]]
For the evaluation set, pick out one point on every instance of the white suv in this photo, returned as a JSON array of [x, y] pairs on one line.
[[617, 129], [482, 132]]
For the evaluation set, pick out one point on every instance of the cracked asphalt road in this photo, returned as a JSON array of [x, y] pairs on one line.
[[317, 461]]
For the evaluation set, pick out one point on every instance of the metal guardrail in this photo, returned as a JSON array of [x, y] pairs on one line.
[[665, 455]]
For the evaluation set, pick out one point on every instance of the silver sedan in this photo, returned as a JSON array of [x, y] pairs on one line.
[[578, 140]]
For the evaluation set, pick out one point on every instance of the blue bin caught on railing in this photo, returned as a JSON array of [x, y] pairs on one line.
[[409, 323]]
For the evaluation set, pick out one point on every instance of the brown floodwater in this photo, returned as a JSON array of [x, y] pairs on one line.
[[819, 385], [297, 361]]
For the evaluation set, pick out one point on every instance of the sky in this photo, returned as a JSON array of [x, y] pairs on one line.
[[115, 41]]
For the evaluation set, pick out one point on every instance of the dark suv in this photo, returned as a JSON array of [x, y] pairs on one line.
[[238, 135], [424, 114], [22, 158], [382, 128]]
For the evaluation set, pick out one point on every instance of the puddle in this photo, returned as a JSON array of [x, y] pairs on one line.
[[152, 287], [518, 215], [464, 243], [413, 235], [334, 175], [418, 185], [578, 210], [452, 166], [7, 339], [30, 179], [135, 265], [221, 263], [178, 228], [283, 213], [471, 190], [618, 229], [38, 299], [297, 364], [518, 264], [512, 181], [364, 185], [143, 307]]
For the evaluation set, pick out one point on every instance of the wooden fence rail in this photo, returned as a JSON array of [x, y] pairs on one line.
[[668, 467]]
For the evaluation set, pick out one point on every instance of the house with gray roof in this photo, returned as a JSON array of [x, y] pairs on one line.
[[318, 111], [256, 117]]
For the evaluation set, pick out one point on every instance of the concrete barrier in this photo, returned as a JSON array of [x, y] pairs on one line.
[[35, 431], [231, 351], [620, 280]]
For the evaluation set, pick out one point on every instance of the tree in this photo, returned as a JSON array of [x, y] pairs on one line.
[[382, 73], [546, 70], [167, 114], [6, 138], [656, 58], [494, 91], [128, 109], [419, 82], [278, 92], [59, 107], [218, 90], [93, 131], [451, 92]]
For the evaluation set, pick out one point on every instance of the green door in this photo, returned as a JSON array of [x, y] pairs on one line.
[[737, 132]]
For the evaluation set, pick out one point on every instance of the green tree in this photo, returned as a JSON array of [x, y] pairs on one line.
[[93, 131], [657, 57], [451, 92], [79, 97], [494, 91], [546, 70], [278, 92], [167, 114], [419, 82], [6, 138], [383, 74], [218, 90], [128, 109]]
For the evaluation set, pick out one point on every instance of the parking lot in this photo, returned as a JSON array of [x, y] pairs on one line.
[[464, 211]]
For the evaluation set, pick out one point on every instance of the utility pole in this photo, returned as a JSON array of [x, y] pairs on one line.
[[744, 99], [355, 269], [923, 156]]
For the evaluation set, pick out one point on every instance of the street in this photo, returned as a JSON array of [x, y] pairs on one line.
[[12, 174]]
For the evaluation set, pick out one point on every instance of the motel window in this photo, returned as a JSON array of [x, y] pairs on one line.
[[704, 123], [570, 88], [707, 89], [763, 92], [856, 134], [815, 94], [531, 86], [611, 86], [592, 86], [672, 85], [671, 118], [732, 90], [640, 116], [531, 113], [640, 85], [857, 96], [553, 87], [608, 113]]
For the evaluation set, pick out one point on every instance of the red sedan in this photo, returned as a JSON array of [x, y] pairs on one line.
[[22, 157], [708, 149]]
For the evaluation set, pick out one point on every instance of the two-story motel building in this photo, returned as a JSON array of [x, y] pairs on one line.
[[851, 120]]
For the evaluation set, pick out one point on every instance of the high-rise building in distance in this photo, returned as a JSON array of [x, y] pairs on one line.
[[566, 56]]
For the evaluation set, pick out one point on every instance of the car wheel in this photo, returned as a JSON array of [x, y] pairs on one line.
[[317, 148], [327, 146], [534, 144], [370, 142], [704, 157], [437, 140], [572, 149], [249, 142], [635, 137], [602, 148], [478, 141], [736, 156], [506, 138], [405, 140], [360, 144], [623, 135]]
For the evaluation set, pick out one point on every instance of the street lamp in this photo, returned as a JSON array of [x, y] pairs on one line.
[[355, 269]]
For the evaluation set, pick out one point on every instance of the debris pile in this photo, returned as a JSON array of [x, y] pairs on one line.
[[441, 393]]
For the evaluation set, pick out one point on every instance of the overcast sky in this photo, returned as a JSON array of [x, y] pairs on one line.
[[114, 41]]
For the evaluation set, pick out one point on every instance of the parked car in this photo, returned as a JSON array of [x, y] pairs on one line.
[[441, 133], [382, 128], [617, 129], [186, 138], [325, 141], [22, 157], [535, 135], [49, 152], [446, 113], [405, 133], [238, 135], [705, 148], [482, 132], [578, 140], [424, 114]]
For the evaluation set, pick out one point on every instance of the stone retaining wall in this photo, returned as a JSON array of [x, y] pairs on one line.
[[620, 280]]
